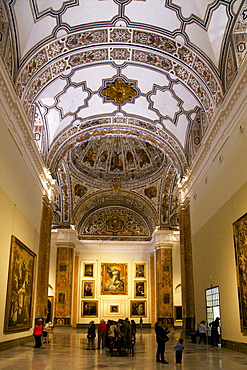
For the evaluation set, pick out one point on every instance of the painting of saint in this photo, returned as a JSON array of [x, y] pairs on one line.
[[19, 300], [240, 243], [140, 289], [88, 269], [140, 270], [114, 278], [87, 289], [138, 309], [89, 309]]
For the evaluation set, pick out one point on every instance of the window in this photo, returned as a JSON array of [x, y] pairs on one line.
[[212, 303]]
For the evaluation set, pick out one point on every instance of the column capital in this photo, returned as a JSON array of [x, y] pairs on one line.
[[164, 238], [65, 237]]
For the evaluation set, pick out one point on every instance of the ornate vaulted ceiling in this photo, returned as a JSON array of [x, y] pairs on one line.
[[119, 94]]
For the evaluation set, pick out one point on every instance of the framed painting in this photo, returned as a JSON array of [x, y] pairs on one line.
[[114, 278], [140, 270], [89, 269], [87, 289], [138, 308], [240, 244], [114, 308], [20, 290], [140, 289], [89, 308]]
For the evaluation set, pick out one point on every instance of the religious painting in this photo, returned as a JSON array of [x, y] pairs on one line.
[[240, 243], [87, 289], [140, 270], [89, 308], [140, 289], [138, 308], [20, 290], [114, 308], [114, 278], [88, 269]]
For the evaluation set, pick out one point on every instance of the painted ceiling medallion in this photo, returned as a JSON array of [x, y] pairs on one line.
[[119, 91]]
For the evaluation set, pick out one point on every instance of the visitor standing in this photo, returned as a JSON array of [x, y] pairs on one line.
[[161, 339], [91, 335], [101, 334], [37, 333], [179, 350], [202, 329]]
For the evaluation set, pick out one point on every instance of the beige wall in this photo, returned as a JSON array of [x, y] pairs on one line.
[[215, 204], [20, 195], [12, 222]]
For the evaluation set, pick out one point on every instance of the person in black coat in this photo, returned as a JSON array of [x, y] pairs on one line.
[[161, 339], [215, 332]]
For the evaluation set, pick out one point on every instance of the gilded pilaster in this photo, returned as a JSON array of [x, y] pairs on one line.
[[163, 242], [44, 261], [187, 280], [75, 291], [65, 242], [152, 284]]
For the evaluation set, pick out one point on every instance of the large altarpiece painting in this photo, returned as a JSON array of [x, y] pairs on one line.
[[20, 291], [114, 278], [240, 242]]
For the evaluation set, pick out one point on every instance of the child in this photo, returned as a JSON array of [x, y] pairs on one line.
[[179, 350]]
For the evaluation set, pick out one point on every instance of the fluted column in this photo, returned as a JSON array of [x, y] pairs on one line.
[[163, 241], [187, 280], [44, 261]]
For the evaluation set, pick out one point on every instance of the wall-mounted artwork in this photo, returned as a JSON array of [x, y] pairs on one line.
[[140, 270], [240, 243], [89, 308], [138, 308], [87, 289], [89, 269], [140, 289], [114, 308], [114, 278], [20, 291]]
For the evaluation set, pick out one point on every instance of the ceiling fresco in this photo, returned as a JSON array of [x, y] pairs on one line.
[[119, 94]]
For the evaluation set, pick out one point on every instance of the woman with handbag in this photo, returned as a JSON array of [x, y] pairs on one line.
[[161, 339]]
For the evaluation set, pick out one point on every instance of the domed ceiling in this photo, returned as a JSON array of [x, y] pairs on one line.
[[116, 159], [120, 94]]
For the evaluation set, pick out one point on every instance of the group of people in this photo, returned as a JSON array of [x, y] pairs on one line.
[[203, 330], [111, 331], [40, 331]]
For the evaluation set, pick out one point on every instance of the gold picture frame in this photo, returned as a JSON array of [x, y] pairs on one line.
[[140, 270], [140, 289], [87, 289], [114, 278], [240, 244], [89, 269], [20, 290], [114, 308], [138, 308], [89, 308]]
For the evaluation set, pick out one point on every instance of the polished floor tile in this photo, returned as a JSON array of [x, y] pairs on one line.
[[67, 350]]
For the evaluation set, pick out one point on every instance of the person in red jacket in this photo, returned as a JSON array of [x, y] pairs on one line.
[[101, 334], [37, 333]]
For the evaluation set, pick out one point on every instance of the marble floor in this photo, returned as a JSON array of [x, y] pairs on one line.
[[67, 350]]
